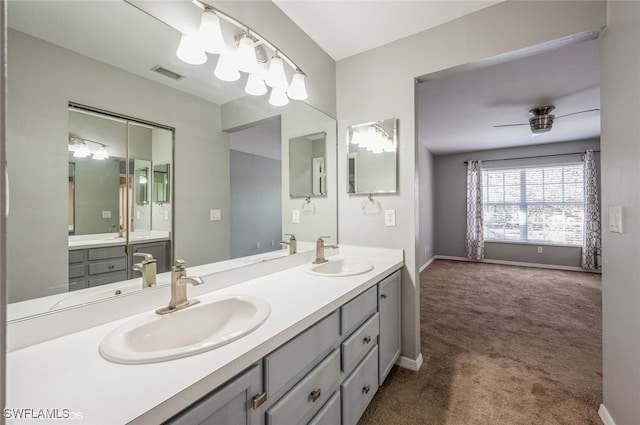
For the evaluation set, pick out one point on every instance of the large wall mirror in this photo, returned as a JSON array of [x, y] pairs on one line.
[[171, 170], [372, 157]]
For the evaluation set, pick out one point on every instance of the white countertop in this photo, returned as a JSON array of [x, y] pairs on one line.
[[69, 373], [112, 239]]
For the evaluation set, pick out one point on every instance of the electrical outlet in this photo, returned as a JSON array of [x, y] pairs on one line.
[[295, 216], [215, 215], [539, 250], [390, 218], [106, 214]]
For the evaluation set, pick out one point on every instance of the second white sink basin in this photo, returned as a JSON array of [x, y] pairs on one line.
[[150, 337], [339, 268]]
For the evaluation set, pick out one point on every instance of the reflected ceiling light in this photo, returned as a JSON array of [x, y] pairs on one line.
[[190, 50], [247, 60], [297, 89], [278, 97], [226, 68], [255, 85], [81, 151], [210, 33], [101, 153], [80, 148]]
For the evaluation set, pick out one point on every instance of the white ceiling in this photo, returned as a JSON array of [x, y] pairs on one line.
[[457, 113], [346, 28]]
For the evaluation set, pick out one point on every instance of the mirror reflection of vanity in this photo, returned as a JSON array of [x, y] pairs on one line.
[[372, 159], [75, 55]]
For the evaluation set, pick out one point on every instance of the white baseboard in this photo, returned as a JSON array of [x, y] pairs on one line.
[[425, 265], [518, 263], [411, 364], [605, 416]]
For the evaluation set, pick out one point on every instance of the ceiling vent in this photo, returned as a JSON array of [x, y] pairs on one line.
[[167, 73]]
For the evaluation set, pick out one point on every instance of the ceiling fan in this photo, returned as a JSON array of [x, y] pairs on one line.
[[542, 119]]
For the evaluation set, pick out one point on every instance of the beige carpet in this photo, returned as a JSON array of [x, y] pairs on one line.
[[501, 345]]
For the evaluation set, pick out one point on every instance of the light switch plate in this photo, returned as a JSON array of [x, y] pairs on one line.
[[390, 218], [615, 219], [215, 215], [106, 214], [295, 216]]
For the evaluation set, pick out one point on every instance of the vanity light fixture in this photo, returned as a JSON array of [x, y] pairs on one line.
[[246, 55], [80, 149], [374, 138]]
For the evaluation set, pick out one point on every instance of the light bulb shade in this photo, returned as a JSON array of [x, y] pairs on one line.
[[210, 33], [278, 97], [255, 85], [247, 61], [190, 50], [297, 90], [82, 151], [101, 153], [226, 69], [276, 77]]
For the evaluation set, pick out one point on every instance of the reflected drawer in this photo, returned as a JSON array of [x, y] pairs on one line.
[[330, 412], [76, 271], [106, 252], [107, 266], [298, 354], [308, 393], [358, 310], [103, 279], [354, 347], [359, 388], [76, 256]]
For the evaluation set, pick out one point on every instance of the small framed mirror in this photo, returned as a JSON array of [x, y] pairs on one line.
[[307, 174], [141, 180], [372, 157]]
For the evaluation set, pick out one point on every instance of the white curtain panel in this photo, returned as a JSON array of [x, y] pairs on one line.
[[474, 249], [591, 243]]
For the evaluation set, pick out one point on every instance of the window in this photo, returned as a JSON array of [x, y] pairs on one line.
[[534, 204]]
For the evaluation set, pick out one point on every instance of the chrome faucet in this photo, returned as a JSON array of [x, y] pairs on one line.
[[179, 280], [148, 269], [320, 246], [292, 243], [121, 231]]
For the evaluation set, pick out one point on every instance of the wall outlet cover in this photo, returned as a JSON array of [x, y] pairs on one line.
[[295, 216], [390, 218], [615, 219], [215, 215], [106, 214]]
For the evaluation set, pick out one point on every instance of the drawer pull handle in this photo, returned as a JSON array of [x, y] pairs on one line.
[[111, 266], [315, 395], [366, 339], [383, 296], [365, 389], [259, 399]]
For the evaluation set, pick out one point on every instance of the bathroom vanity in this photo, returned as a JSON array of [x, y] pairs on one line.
[[320, 356]]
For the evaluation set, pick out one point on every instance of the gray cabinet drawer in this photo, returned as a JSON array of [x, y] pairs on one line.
[[103, 279], [359, 388], [76, 256], [354, 347], [308, 393], [106, 252], [107, 266], [74, 285], [297, 355], [330, 412], [358, 310], [76, 271]]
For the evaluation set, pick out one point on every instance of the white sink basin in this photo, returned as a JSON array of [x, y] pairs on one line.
[[339, 268], [150, 337]]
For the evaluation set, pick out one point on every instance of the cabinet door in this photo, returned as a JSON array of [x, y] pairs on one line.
[[389, 308], [230, 404]]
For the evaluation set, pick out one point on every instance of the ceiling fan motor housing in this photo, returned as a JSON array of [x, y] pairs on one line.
[[541, 120]]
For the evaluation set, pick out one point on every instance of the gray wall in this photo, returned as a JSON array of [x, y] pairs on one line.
[[426, 202], [256, 211], [380, 84], [620, 99], [450, 205]]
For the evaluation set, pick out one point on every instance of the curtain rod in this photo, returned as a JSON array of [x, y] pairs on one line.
[[536, 156]]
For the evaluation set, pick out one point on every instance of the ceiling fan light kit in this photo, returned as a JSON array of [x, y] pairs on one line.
[[541, 119]]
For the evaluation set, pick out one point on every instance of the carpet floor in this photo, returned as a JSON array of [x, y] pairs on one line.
[[501, 345]]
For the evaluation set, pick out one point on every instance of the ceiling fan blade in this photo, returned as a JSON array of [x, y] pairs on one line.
[[509, 125], [576, 113]]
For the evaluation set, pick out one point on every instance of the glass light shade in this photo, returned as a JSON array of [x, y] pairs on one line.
[[276, 77], [101, 153], [226, 68], [210, 33], [190, 50], [82, 151], [278, 97], [255, 85], [246, 58], [297, 90]]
